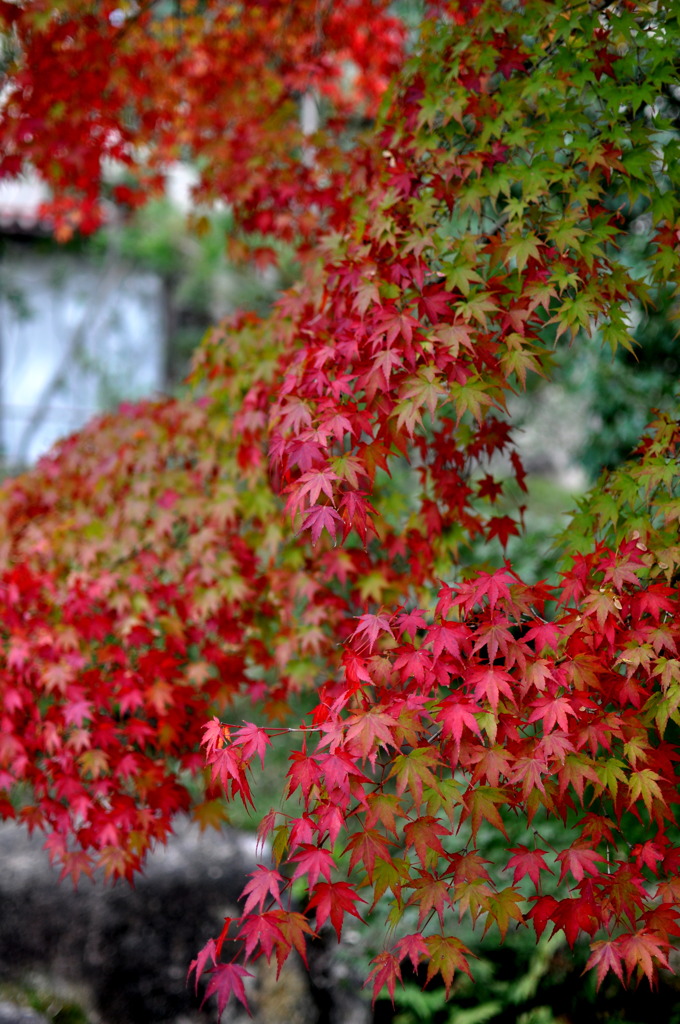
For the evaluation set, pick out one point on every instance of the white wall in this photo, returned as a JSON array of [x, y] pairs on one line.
[[75, 338]]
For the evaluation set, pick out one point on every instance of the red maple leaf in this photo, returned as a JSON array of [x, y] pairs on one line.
[[489, 683], [606, 955], [456, 715], [576, 915], [313, 861], [503, 527], [265, 883], [423, 834], [227, 980], [385, 974], [253, 740], [319, 518], [334, 900], [644, 951], [261, 930], [207, 953], [527, 862], [369, 629], [412, 946], [579, 861]]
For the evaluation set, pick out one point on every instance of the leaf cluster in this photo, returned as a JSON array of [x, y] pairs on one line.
[[245, 540]]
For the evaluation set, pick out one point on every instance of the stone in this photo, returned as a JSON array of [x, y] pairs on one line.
[[12, 1013], [122, 952]]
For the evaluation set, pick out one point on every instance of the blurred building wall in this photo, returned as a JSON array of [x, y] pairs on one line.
[[77, 334]]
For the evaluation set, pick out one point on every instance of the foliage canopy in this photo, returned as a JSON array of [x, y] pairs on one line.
[[310, 515]]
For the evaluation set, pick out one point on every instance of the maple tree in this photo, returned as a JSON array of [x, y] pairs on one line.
[[249, 538]]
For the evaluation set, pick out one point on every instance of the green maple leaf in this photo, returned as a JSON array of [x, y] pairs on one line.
[[477, 307], [390, 874], [644, 785], [522, 247], [504, 908], [610, 773], [475, 396], [460, 277], [472, 897], [423, 389], [520, 361], [482, 803], [414, 770], [447, 955]]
